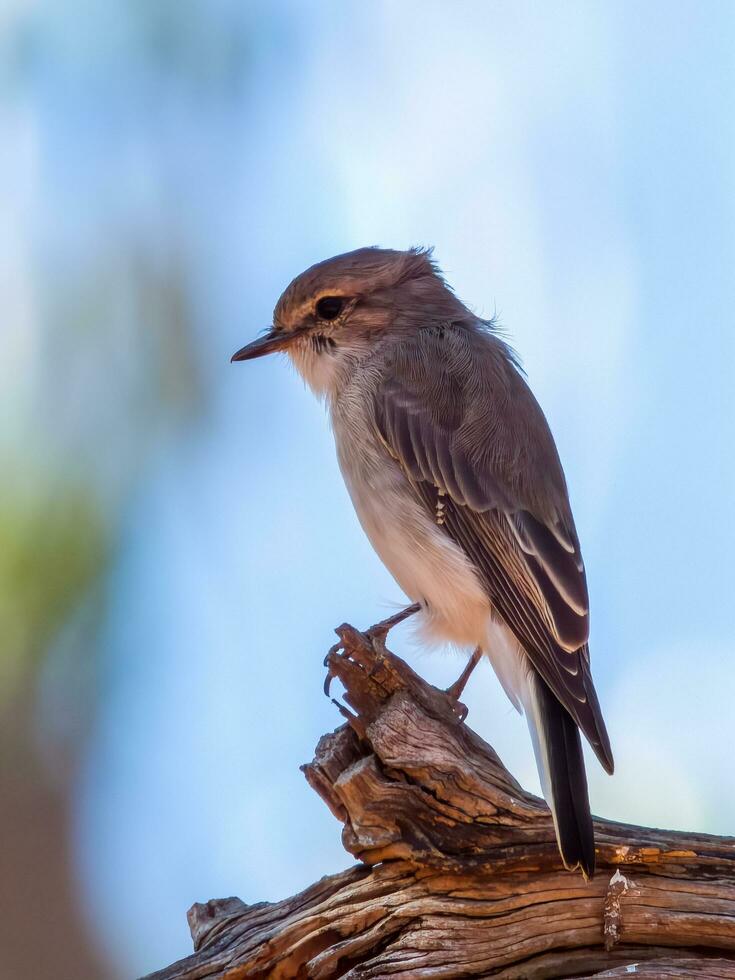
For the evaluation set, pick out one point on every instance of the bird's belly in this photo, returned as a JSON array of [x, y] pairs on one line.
[[421, 557]]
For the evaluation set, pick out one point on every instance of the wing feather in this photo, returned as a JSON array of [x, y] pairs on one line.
[[457, 415]]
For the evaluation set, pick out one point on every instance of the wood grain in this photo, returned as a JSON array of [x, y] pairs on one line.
[[460, 874]]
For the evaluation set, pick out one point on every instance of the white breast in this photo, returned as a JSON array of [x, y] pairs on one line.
[[425, 562]]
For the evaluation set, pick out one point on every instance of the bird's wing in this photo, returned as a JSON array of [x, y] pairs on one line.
[[456, 414]]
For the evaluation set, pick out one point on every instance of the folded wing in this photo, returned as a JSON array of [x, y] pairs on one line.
[[456, 414]]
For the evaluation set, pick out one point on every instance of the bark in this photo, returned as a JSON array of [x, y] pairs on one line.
[[460, 874]]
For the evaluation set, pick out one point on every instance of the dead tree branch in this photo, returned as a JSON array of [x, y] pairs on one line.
[[460, 874]]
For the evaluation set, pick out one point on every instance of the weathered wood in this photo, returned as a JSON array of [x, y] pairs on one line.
[[460, 873]]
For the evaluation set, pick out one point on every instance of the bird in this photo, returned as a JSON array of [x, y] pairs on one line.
[[456, 480]]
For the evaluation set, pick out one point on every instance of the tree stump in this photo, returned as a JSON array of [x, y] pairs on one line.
[[460, 874]]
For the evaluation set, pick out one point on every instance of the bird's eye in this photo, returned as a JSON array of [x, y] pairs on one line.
[[329, 307]]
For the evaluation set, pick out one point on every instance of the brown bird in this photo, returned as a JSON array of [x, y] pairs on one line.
[[456, 480]]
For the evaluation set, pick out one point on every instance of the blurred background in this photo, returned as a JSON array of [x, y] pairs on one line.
[[176, 542]]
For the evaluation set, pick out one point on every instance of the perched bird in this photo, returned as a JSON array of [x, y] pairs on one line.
[[456, 480]]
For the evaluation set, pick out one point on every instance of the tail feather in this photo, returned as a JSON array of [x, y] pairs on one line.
[[558, 750]]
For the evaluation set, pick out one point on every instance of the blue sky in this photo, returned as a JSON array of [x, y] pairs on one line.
[[574, 168]]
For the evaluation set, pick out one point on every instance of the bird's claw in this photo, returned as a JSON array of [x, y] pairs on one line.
[[333, 650]]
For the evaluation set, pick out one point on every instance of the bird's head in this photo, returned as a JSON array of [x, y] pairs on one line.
[[332, 315]]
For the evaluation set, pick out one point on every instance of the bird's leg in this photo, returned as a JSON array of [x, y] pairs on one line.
[[381, 629], [455, 691]]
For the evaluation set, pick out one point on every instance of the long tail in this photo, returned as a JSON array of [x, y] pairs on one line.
[[558, 750]]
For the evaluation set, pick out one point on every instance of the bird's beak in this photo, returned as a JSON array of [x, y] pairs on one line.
[[274, 340]]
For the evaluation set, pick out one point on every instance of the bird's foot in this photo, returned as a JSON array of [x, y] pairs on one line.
[[375, 636], [455, 690]]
